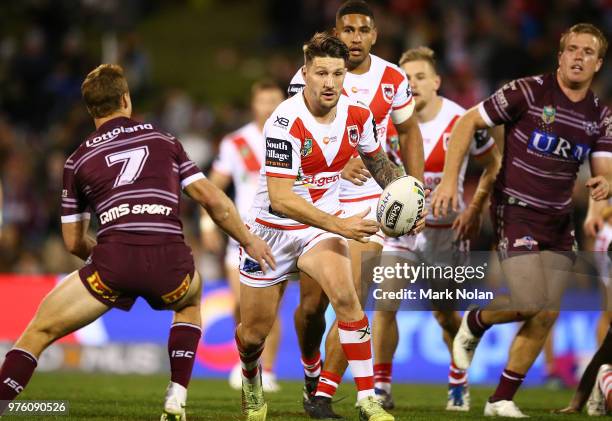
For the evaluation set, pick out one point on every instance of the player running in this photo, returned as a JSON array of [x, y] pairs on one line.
[[239, 162], [383, 87], [552, 123], [445, 237], [131, 176], [309, 140]]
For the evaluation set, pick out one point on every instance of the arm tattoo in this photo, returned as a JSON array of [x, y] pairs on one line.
[[381, 168]]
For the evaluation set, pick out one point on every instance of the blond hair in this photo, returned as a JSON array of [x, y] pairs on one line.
[[420, 53], [586, 28]]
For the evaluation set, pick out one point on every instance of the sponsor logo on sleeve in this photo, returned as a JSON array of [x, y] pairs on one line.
[[281, 122], [500, 97], [388, 91], [278, 153], [353, 135]]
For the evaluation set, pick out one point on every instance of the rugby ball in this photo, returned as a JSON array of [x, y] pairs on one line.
[[400, 206]]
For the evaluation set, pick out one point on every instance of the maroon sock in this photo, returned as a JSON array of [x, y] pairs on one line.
[[509, 382], [182, 346], [15, 374], [475, 323]]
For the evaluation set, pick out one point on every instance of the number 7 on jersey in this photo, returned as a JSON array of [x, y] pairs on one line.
[[133, 161]]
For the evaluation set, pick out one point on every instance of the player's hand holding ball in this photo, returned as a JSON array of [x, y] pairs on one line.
[[356, 228], [401, 207]]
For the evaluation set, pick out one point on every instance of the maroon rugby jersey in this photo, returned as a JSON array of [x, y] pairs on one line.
[[131, 176], [547, 138]]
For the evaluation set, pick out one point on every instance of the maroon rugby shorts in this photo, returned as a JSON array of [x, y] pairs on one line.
[[117, 274], [520, 230]]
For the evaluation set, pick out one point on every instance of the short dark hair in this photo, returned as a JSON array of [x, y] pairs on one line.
[[354, 7], [102, 90], [325, 45], [586, 28]]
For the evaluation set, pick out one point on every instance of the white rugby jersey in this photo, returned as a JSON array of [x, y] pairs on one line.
[[386, 91], [312, 154], [435, 135], [240, 156]]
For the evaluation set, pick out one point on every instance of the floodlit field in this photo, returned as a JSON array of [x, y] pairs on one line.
[[108, 397]]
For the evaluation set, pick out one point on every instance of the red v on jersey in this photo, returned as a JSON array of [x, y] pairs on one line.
[[313, 158], [245, 151], [435, 160]]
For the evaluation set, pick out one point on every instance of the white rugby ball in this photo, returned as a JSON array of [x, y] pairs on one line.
[[400, 206]]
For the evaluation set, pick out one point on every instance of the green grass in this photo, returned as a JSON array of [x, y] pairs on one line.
[[114, 397]]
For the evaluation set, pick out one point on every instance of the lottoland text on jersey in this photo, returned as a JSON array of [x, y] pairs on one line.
[[522, 281]]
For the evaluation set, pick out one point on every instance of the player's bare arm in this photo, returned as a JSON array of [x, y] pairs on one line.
[[224, 213], [594, 221], [381, 168], [599, 183], [211, 237], [411, 147], [76, 238], [467, 224], [285, 201], [463, 132]]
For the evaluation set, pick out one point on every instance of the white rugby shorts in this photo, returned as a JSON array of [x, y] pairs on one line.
[[287, 246], [352, 208]]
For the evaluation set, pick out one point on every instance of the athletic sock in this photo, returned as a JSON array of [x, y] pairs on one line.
[[605, 385], [249, 360], [312, 366], [15, 373], [456, 376], [509, 382], [356, 343], [382, 376], [328, 384], [182, 347], [475, 323]]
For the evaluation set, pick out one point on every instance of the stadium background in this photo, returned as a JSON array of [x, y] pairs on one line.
[[190, 65]]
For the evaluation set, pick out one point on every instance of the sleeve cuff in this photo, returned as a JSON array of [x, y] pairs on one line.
[[279, 175], [601, 154], [485, 116], [403, 113], [67, 219], [192, 178]]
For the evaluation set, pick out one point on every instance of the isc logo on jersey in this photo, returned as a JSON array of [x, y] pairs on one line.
[[124, 209]]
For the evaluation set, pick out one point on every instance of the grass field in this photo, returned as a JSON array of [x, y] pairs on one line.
[[113, 397]]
